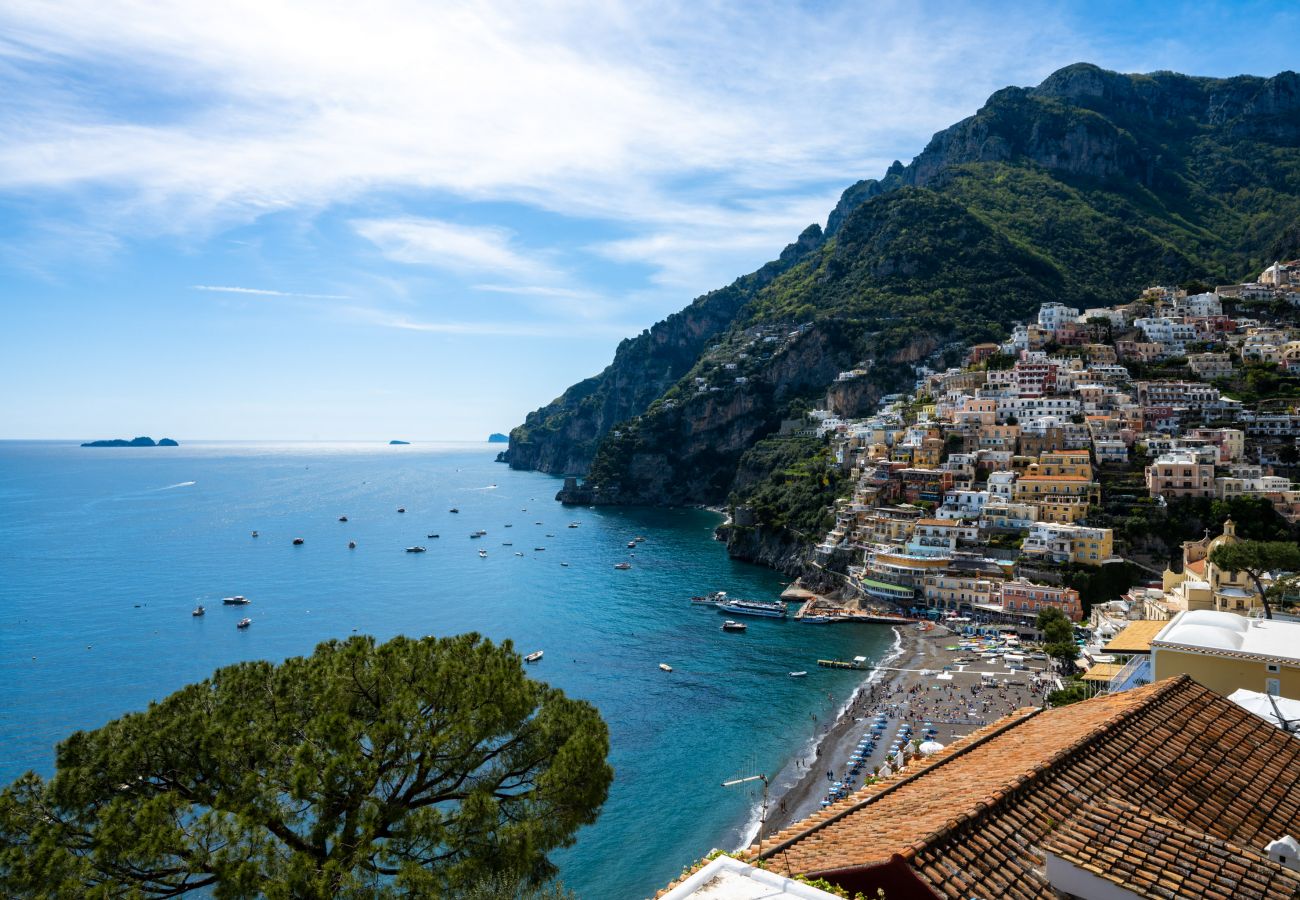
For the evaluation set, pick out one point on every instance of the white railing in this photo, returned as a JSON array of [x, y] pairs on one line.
[[1136, 672]]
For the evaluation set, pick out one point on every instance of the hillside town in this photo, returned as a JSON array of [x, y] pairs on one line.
[[996, 484]]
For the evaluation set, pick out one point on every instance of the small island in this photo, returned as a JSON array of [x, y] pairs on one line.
[[497, 437], [134, 442], [396, 443]]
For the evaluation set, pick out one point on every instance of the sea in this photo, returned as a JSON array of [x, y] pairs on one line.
[[105, 551]]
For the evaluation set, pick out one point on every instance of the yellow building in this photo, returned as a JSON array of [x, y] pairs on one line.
[[1203, 585], [1227, 652]]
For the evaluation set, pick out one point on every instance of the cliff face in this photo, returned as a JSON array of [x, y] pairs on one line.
[[1084, 189]]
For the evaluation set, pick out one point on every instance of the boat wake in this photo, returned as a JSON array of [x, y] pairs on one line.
[[172, 487]]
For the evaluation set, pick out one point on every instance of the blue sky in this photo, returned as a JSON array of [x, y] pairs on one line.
[[340, 220]]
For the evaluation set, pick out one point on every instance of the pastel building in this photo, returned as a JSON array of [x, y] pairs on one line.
[[1226, 653]]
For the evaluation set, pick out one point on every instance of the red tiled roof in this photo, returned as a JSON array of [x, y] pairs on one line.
[[1158, 857], [971, 821]]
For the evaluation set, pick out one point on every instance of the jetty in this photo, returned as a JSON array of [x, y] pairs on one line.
[[819, 608], [858, 662]]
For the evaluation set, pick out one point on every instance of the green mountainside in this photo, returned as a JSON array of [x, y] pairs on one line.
[[1084, 190]]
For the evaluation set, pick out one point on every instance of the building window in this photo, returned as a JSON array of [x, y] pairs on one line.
[[1274, 667]]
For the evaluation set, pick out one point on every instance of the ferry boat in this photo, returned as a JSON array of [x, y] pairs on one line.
[[623, 566], [198, 610], [414, 549], [731, 625], [534, 656], [753, 608], [237, 600], [244, 623]]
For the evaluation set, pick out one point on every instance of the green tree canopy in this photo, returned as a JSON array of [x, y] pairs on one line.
[[1255, 558], [415, 767]]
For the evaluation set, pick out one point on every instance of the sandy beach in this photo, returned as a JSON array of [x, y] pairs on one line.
[[906, 688]]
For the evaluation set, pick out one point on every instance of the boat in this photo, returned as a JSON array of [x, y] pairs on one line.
[[453, 509], [631, 545], [254, 534], [640, 539], [573, 524], [711, 599], [352, 545], [401, 509], [564, 564], [482, 531], [623, 566], [731, 625], [343, 518], [753, 608], [414, 549], [482, 554], [798, 674], [816, 620], [539, 549], [297, 542], [534, 656], [198, 610], [431, 535], [507, 543], [475, 534], [508, 525], [237, 600], [665, 667], [517, 553], [244, 623]]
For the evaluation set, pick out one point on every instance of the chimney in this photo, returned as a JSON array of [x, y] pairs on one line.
[[1284, 851]]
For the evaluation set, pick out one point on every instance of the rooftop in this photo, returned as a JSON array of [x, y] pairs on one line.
[[973, 820], [1136, 636], [1224, 633]]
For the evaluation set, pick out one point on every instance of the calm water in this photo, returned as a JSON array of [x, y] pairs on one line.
[[104, 552]]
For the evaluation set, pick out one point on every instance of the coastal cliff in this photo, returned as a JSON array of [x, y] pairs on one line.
[[1084, 190]]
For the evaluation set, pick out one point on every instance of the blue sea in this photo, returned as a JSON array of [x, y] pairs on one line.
[[104, 552]]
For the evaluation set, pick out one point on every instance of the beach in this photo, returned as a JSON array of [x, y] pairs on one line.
[[905, 687]]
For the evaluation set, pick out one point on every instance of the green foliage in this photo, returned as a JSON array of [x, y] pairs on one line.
[[414, 767], [1055, 626], [1256, 558], [1073, 692], [792, 484]]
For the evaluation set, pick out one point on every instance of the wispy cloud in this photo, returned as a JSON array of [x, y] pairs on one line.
[[264, 292], [446, 245], [385, 319]]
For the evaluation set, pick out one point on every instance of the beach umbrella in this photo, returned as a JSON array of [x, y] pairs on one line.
[[929, 747]]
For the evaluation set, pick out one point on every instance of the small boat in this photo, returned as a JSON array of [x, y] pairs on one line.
[[517, 553], [482, 554], [631, 545], [729, 625], [507, 543], [401, 509], [665, 667], [431, 535], [237, 600], [640, 539], [475, 534], [343, 518], [414, 549], [623, 566], [297, 542], [352, 545], [534, 656], [482, 531], [798, 674], [508, 525], [816, 620], [711, 599], [539, 549], [573, 524], [564, 564], [254, 534], [453, 509], [198, 610], [244, 623]]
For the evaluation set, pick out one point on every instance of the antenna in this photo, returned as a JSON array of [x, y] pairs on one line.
[[762, 815]]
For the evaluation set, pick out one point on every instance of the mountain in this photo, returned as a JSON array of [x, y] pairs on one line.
[[134, 442], [1084, 189]]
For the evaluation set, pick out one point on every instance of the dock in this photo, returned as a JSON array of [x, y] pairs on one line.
[[859, 664]]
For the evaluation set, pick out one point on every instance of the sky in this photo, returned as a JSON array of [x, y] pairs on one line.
[[339, 220]]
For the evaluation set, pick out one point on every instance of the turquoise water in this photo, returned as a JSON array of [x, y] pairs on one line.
[[104, 552]]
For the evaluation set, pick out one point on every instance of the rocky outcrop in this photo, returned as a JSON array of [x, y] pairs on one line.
[[780, 549]]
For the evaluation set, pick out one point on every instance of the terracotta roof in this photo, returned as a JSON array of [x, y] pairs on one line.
[[1136, 637], [971, 820], [1158, 857], [1197, 567]]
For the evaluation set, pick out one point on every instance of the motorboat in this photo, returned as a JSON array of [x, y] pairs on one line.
[[534, 656], [431, 535], [731, 625], [254, 534], [711, 599], [414, 549], [343, 518], [244, 623], [539, 549], [798, 674], [623, 566], [352, 545], [297, 542], [475, 534], [573, 524], [237, 600], [401, 509], [198, 610], [631, 545], [517, 553], [665, 667], [453, 509], [640, 539], [482, 554]]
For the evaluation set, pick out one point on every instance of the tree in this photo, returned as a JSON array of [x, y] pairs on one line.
[[414, 767], [1058, 636], [1255, 558]]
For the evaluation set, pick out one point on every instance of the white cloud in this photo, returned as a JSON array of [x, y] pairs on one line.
[[456, 248], [264, 292], [384, 319]]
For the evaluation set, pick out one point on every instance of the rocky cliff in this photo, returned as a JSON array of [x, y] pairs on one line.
[[1084, 189]]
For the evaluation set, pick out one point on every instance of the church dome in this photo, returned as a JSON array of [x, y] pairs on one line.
[[1229, 536]]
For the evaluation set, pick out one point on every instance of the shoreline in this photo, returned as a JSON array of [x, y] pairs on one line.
[[904, 687]]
